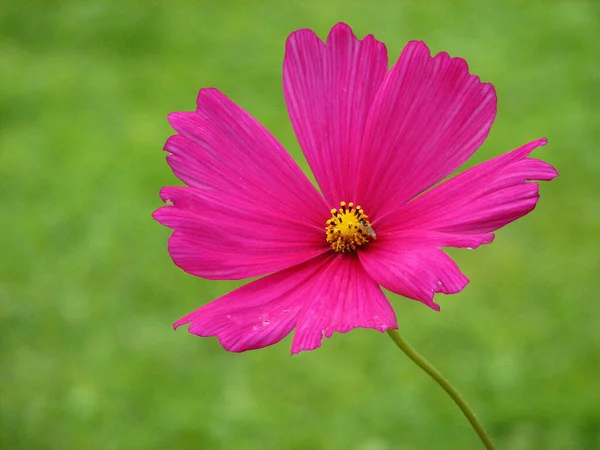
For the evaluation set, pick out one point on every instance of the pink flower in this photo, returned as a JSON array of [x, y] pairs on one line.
[[373, 137]]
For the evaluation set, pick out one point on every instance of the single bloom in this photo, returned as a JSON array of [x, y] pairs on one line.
[[378, 141]]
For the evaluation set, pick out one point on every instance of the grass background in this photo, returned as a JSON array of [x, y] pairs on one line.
[[88, 292]]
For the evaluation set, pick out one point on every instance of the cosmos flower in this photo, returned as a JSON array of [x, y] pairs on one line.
[[378, 141]]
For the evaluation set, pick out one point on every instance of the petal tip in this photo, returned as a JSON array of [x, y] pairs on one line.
[[180, 322], [298, 35], [157, 214], [341, 33], [301, 347], [417, 45], [341, 26]]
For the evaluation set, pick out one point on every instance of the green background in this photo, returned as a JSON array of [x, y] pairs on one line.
[[88, 292]]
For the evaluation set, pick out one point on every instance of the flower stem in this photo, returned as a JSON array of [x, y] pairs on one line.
[[444, 383]]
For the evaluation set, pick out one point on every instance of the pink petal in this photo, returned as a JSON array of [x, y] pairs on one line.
[[429, 116], [342, 297], [329, 90], [412, 238], [250, 210], [412, 270], [219, 236], [257, 314], [318, 297], [481, 199]]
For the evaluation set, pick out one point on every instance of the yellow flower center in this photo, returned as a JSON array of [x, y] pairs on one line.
[[348, 228]]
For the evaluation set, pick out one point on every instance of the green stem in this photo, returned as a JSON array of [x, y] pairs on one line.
[[445, 384]]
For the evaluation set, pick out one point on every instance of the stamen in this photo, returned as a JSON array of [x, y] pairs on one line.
[[348, 228]]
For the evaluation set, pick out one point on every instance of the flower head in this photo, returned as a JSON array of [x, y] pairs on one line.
[[378, 141]]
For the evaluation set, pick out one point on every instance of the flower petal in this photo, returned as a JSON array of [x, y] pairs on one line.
[[250, 210], [429, 238], [330, 293], [481, 199], [257, 314], [429, 116], [343, 297], [329, 90], [412, 270], [218, 236]]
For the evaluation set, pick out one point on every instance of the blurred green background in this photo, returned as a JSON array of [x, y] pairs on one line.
[[88, 292]]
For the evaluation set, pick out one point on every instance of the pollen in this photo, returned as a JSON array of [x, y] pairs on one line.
[[348, 228]]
